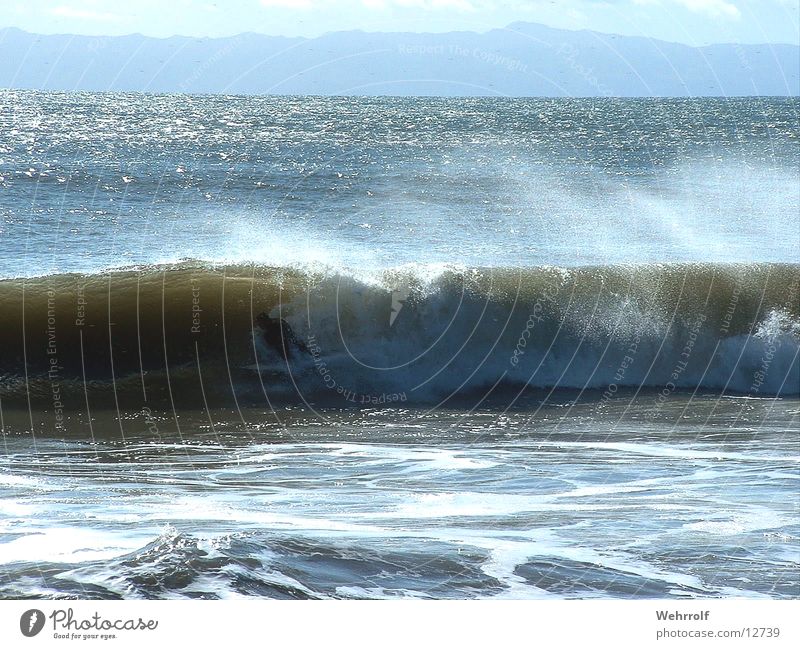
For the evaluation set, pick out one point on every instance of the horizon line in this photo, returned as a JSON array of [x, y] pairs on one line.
[[4, 89]]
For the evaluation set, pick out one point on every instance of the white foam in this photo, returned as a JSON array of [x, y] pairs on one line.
[[752, 520], [673, 451], [70, 545], [376, 592], [438, 459]]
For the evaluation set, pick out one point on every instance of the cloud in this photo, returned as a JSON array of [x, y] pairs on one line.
[[572, 8], [426, 5], [64, 11], [716, 8], [290, 4], [463, 5]]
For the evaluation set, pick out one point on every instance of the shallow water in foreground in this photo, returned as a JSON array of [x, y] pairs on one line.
[[559, 499]]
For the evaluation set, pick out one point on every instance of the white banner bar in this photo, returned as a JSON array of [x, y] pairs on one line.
[[382, 624]]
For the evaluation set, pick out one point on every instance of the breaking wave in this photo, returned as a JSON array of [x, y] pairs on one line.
[[185, 335]]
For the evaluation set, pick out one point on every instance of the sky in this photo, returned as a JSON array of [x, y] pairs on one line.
[[695, 22]]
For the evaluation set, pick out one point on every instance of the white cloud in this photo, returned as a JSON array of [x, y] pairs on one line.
[[717, 8], [290, 4], [64, 11], [427, 5], [714, 8], [463, 5]]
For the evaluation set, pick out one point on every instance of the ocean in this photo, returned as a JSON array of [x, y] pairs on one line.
[[330, 347]]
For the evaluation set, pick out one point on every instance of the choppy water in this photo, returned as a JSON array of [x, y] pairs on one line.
[[572, 501], [553, 347]]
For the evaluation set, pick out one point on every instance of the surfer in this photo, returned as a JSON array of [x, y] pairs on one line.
[[278, 335]]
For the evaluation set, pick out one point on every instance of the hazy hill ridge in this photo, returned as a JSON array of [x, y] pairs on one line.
[[523, 59]]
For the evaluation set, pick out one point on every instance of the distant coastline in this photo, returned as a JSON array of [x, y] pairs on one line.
[[522, 60]]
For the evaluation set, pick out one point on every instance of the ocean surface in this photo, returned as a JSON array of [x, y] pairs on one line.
[[527, 348]]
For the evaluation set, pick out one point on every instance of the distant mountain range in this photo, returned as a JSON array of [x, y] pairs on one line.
[[524, 59]]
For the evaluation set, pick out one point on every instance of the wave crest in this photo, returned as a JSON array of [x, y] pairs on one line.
[[184, 336]]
